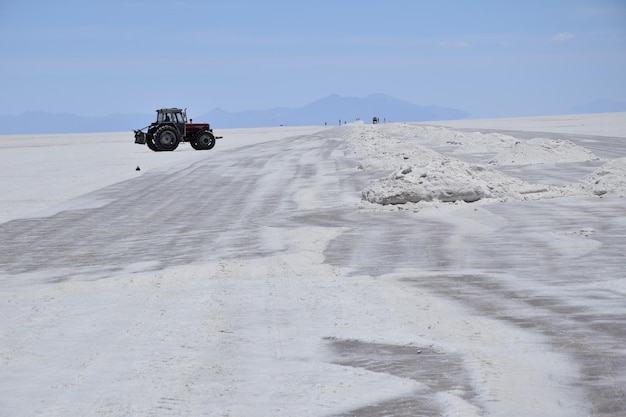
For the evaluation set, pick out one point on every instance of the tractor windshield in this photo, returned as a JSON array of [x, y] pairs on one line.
[[179, 117]]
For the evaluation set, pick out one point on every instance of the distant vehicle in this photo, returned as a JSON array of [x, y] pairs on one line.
[[375, 120], [171, 128]]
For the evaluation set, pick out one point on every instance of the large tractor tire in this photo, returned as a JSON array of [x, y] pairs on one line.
[[194, 144], [203, 140], [166, 138]]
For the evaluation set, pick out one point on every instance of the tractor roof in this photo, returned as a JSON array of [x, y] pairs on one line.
[[170, 110]]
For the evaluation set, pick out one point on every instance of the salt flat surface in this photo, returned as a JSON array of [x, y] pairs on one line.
[[396, 269], [40, 172]]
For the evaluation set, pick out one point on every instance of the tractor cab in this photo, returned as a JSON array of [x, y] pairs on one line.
[[177, 117]]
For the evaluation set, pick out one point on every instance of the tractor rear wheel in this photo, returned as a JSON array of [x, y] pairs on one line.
[[166, 138], [204, 139]]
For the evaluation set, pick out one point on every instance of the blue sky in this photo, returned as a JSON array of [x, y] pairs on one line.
[[490, 58]]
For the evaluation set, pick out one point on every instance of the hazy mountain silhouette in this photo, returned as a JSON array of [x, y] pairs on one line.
[[329, 110], [38, 122], [332, 109], [600, 105]]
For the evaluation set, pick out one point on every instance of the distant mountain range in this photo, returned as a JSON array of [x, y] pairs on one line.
[[330, 110], [601, 105], [333, 109], [38, 122]]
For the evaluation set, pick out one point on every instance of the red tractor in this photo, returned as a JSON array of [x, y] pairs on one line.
[[171, 128]]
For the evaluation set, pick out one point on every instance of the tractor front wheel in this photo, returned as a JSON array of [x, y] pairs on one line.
[[166, 138], [204, 139], [194, 144], [151, 144]]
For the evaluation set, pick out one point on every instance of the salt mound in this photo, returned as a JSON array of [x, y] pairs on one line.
[[471, 142], [609, 179], [446, 180], [486, 142], [542, 151], [376, 150], [420, 174]]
